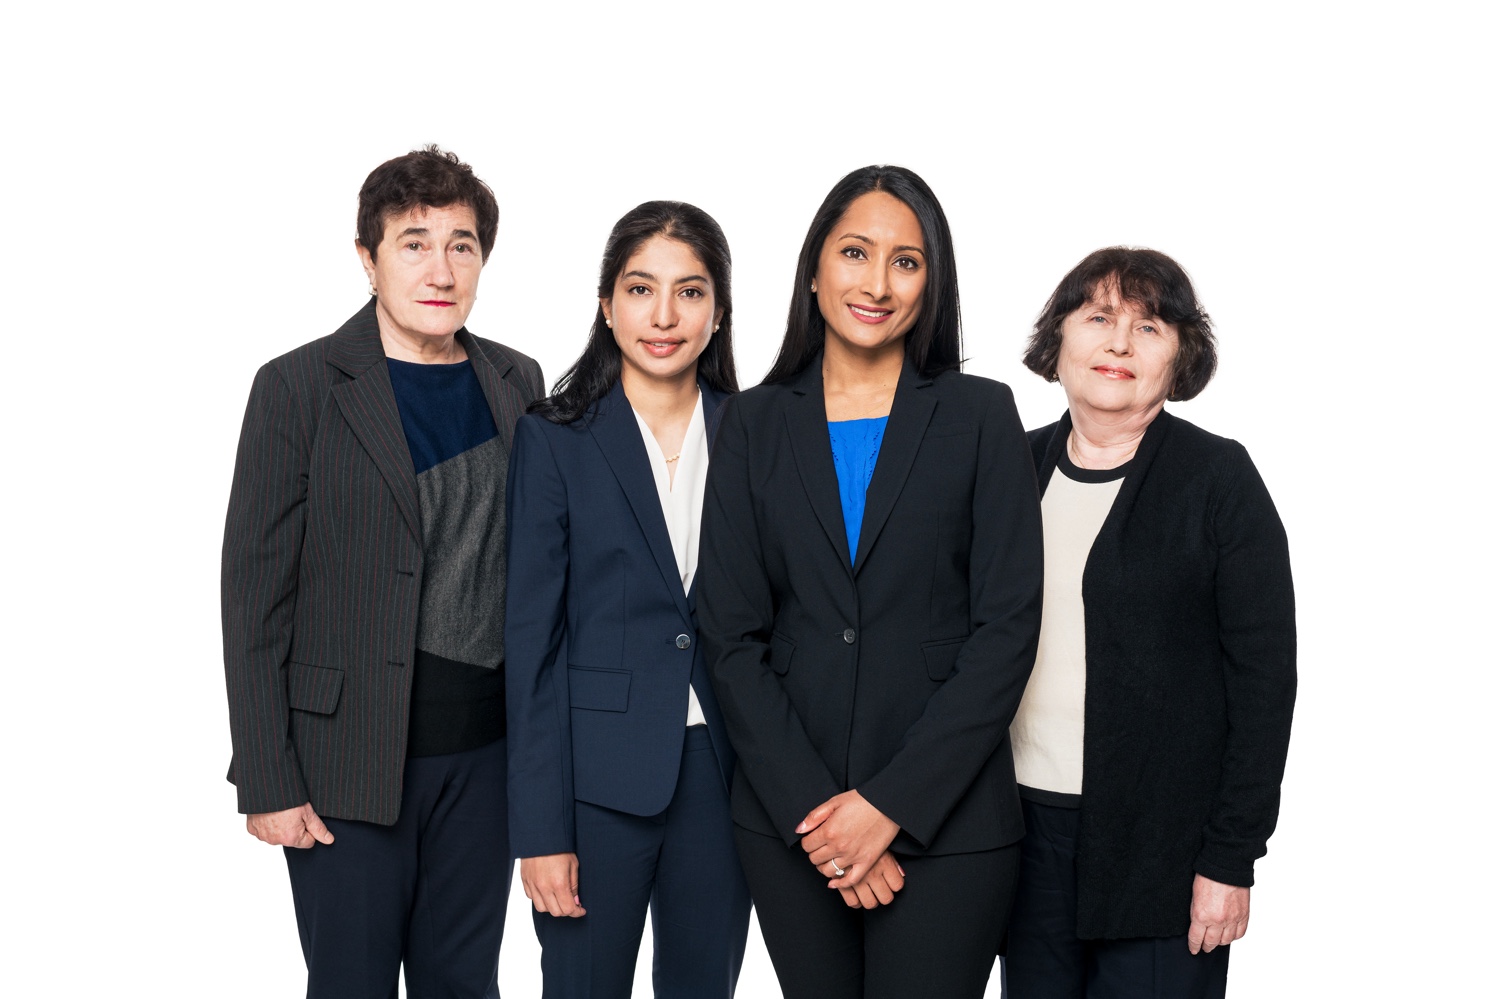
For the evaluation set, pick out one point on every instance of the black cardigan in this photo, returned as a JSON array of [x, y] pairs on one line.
[[1191, 657]]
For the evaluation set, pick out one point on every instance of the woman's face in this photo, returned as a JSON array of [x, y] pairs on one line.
[[1115, 358], [426, 272], [662, 311], [871, 274]]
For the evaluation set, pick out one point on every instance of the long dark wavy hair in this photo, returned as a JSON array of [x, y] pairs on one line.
[[598, 367], [935, 343]]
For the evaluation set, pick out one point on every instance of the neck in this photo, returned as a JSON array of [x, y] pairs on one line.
[[420, 350], [1106, 440], [661, 400], [860, 384]]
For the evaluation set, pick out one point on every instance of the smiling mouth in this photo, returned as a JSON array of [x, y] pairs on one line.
[[661, 348], [867, 315], [436, 302], [1109, 372]]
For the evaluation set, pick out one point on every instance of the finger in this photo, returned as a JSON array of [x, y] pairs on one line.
[[317, 829], [1212, 936], [850, 898], [853, 875], [1195, 936], [815, 840], [866, 896], [822, 855], [815, 818], [881, 890], [1240, 929]]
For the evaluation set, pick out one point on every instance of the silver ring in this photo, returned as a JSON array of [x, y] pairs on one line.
[[838, 871]]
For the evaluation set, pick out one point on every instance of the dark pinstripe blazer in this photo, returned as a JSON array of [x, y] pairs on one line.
[[322, 572]]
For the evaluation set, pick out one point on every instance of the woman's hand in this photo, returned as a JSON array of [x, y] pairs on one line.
[[879, 886], [551, 882], [1220, 914], [849, 832], [297, 827]]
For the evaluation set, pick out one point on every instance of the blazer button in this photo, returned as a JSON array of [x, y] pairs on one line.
[[849, 635], [683, 641]]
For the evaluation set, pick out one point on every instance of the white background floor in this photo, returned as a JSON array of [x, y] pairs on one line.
[[182, 182]]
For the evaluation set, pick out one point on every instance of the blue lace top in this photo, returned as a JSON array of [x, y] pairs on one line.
[[856, 445]]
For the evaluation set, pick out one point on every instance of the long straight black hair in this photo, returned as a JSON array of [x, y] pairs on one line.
[[598, 367], [935, 343]]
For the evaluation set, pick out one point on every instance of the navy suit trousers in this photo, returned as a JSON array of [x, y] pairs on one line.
[[680, 864], [428, 893]]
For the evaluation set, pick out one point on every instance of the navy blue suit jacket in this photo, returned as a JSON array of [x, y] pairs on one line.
[[600, 640]]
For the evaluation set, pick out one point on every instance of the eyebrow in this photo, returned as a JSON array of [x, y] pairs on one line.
[[870, 242], [652, 277], [423, 231]]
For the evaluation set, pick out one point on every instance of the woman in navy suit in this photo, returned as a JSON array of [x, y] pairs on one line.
[[619, 762], [871, 588]]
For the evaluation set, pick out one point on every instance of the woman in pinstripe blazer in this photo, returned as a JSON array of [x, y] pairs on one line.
[[363, 581]]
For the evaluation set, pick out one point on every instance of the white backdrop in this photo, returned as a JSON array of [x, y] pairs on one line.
[[184, 179]]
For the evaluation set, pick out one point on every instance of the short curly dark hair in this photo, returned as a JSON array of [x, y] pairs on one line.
[[430, 178], [1149, 279]]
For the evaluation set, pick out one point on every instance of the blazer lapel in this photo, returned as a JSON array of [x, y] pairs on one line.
[[506, 403], [618, 435], [369, 405], [911, 411], [807, 428], [713, 412]]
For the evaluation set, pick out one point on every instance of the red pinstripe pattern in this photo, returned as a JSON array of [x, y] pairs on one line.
[[322, 572]]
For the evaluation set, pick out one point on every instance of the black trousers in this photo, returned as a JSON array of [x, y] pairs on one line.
[[1044, 958], [428, 892], [681, 865], [937, 938]]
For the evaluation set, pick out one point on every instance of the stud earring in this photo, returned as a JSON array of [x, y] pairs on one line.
[[372, 290], [609, 324]]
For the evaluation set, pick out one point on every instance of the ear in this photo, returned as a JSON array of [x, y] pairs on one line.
[[604, 307], [815, 286], [718, 318], [366, 261]]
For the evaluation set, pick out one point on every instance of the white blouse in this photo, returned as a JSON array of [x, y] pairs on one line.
[[682, 505]]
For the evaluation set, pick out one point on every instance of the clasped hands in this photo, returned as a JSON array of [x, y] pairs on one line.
[[848, 839]]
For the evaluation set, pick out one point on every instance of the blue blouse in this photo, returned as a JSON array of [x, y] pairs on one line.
[[856, 445]]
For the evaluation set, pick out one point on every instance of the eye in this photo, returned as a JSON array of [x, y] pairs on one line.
[[1148, 328], [637, 289], [413, 245], [463, 248], [1097, 319], [692, 292], [853, 252], [907, 263]]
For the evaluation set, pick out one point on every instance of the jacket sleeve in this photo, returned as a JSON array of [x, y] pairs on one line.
[[538, 720], [969, 716], [735, 613], [263, 534], [1258, 640]]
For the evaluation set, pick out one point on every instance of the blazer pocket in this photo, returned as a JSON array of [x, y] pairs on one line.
[[781, 654], [313, 688], [598, 689], [942, 656]]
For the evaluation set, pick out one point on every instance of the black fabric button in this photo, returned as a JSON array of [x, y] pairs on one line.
[[849, 635], [683, 641]]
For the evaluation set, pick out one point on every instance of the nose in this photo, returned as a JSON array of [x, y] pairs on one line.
[[877, 282], [440, 273], [664, 312], [1119, 338]]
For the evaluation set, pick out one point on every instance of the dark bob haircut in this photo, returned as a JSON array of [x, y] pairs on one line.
[[934, 344], [1148, 279], [427, 178], [598, 367]]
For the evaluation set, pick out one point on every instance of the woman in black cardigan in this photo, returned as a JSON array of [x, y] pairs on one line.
[[1152, 737]]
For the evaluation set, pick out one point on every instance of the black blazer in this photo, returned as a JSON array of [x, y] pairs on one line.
[[1191, 647], [322, 572], [898, 676], [601, 642]]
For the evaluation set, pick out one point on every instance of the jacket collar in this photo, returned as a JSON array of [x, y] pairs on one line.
[[368, 402], [1151, 443], [807, 425], [613, 425]]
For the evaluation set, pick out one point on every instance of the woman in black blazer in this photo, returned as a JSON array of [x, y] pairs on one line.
[[619, 762], [870, 574], [1151, 741]]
